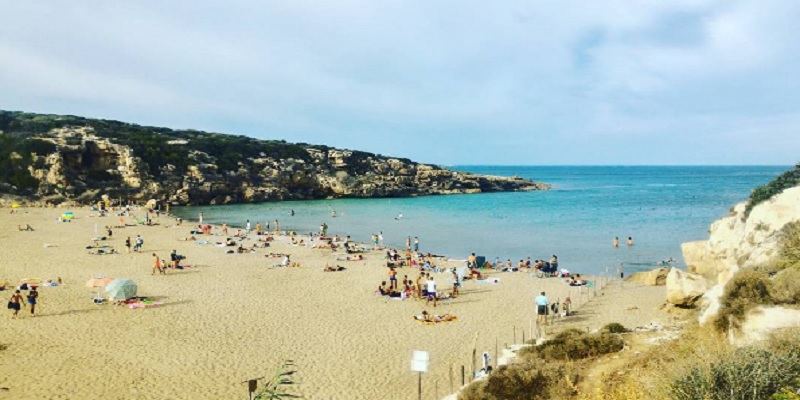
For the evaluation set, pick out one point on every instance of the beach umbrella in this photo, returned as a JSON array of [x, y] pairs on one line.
[[98, 282], [121, 289]]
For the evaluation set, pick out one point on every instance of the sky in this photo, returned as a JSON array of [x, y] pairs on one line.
[[639, 82]]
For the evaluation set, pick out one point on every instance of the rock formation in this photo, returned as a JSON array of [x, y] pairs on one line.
[[90, 158], [736, 241]]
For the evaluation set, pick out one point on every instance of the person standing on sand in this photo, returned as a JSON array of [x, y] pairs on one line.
[[157, 265], [615, 242], [277, 227], [14, 304], [392, 278], [416, 244], [408, 243], [247, 226], [380, 239], [200, 218], [128, 244], [541, 308], [225, 228], [33, 296], [431, 286], [138, 243]]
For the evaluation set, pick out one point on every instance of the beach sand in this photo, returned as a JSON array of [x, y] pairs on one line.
[[231, 317]]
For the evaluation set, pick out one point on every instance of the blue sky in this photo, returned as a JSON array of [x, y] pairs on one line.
[[444, 82]]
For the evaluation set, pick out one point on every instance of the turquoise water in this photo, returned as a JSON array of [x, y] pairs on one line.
[[660, 207]]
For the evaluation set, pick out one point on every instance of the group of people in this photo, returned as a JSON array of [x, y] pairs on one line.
[[615, 242], [161, 266], [16, 301]]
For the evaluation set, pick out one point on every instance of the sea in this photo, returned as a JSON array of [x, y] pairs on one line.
[[659, 207]]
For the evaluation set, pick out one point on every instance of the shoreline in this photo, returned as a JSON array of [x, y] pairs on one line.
[[233, 316]]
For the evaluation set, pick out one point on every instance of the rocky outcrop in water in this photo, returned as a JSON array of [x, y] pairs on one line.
[[79, 159]]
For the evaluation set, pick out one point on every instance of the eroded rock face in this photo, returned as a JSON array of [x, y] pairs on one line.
[[761, 321], [684, 289], [736, 243], [86, 165]]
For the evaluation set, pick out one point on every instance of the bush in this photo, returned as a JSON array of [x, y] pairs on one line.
[[790, 245], [746, 290], [533, 380], [751, 373], [785, 288], [614, 327], [573, 344], [760, 194]]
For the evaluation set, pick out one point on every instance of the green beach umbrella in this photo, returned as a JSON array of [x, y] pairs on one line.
[[121, 289]]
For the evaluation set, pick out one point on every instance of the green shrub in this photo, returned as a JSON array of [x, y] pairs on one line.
[[750, 373], [614, 327], [790, 245], [746, 290], [785, 288], [760, 194], [533, 380], [573, 344]]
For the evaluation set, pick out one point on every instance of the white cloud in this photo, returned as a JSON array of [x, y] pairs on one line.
[[360, 73]]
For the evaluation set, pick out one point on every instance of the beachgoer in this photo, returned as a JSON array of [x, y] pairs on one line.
[[174, 258], [472, 260], [392, 278], [247, 226], [541, 308], [380, 239], [615, 242], [408, 243], [14, 304], [416, 244], [128, 244], [138, 243], [156, 264], [630, 241], [277, 226], [200, 218], [431, 286], [258, 229], [456, 283], [33, 295]]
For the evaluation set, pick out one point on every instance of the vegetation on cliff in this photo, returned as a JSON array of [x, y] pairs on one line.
[[68, 158], [788, 179]]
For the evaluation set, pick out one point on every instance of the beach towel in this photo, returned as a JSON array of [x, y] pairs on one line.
[[145, 304], [489, 280]]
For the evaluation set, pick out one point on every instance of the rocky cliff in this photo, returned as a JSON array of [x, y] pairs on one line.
[[748, 237], [55, 159]]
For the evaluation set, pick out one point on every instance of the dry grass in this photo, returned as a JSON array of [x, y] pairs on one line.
[[702, 365]]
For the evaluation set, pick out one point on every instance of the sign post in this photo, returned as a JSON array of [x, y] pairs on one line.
[[419, 364]]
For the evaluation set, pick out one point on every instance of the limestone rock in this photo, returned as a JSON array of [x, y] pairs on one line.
[[685, 289], [656, 277]]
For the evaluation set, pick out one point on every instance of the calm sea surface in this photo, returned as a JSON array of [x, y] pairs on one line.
[[660, 207]]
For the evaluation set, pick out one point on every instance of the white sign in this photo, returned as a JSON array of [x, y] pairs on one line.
[[419, 362]]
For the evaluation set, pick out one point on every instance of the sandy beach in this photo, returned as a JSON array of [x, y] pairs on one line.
[[231, 317]]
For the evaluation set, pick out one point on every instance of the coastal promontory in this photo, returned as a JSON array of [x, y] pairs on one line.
[[51, 159]]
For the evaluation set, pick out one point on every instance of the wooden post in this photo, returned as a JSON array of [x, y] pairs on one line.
[[451, 378], [474, 355], [419, 387], [496, 354]]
